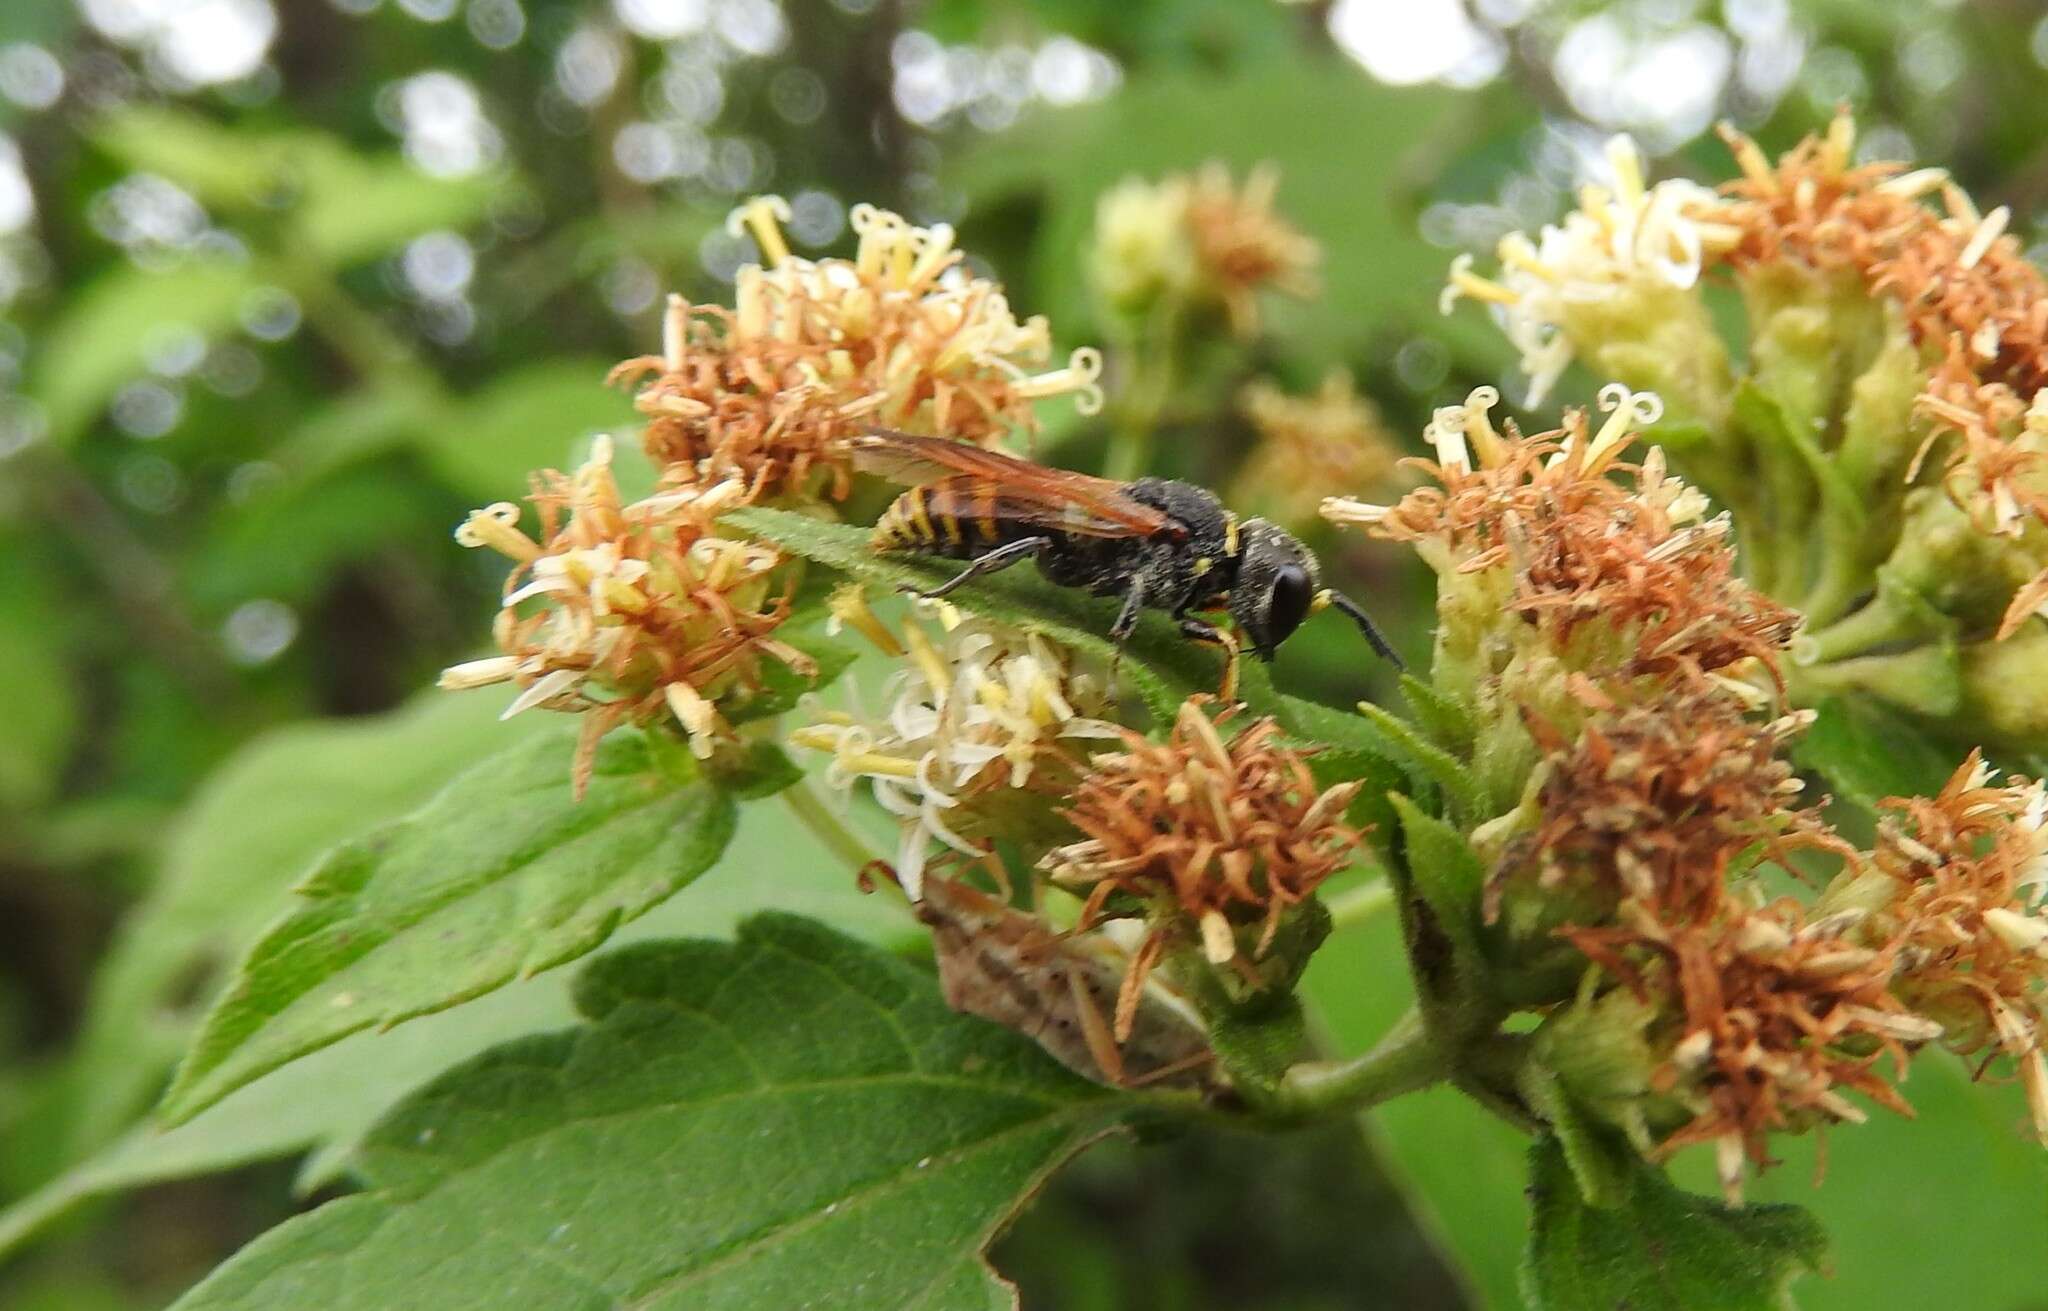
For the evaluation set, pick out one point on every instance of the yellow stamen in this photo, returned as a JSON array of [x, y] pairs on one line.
[[849, 605], [759, 216]]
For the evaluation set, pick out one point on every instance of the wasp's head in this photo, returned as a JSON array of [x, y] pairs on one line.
[[1275, 588]]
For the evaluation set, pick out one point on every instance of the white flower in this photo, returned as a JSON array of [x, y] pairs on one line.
[[1629, 237], [990, 708]]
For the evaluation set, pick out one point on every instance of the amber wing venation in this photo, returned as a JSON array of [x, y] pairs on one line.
[[1042, 497]]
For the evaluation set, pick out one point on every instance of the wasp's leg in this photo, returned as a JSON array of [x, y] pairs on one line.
[[1000, 558], [1201, 630]]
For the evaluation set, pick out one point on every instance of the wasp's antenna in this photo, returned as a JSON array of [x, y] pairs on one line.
[[1366, 626]]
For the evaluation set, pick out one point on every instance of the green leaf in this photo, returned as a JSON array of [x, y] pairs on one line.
[[1947, 1209], [1662, 1250], [258, 823], [1443, 882], [95, 343], [339, 206], [760, 769], [34, 661], [791, 1120], [504, 874], [537, 417], [1600, 1162], [1867, 752], [1428, 763], [782, 687], [328, 1101], [1442, 717], [1160, 664]]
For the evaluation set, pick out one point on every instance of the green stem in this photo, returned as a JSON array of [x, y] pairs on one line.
[[1355, 906], [1144, 394], [1406, 1059], [812, 812]]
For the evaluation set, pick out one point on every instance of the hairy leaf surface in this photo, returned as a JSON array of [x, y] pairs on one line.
[[790, 1120]]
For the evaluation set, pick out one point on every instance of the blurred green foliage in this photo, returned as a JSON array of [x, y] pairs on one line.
[[270, 336]]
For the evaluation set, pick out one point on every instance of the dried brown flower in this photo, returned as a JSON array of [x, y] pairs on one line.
[[1661, 803], [1229, 833], [1242, 245], [1311, 447], [1969, 297], [814, 352], [1771, 1019], [1594, 543], [627, 612], [1969, 865]]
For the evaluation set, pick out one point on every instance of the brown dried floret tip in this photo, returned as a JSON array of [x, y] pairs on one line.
[[1231, 833]]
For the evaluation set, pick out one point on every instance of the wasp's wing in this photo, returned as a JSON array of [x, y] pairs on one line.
[[978, 505], [1027, 492]]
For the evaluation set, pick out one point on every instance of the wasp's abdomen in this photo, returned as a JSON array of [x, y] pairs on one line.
[[951, 517]]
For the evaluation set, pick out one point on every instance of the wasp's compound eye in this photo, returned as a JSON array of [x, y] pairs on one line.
[[1288, 601]]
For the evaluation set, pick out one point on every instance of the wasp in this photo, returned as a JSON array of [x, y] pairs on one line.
[[1156, 543]]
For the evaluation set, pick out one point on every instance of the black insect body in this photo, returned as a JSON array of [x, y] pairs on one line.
[[1156, 543]]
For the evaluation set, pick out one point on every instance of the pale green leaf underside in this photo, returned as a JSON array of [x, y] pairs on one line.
[[793, 1120], [1661, 1250], [505, 873]]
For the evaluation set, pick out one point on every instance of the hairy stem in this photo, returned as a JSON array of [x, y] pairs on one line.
[[1406, 1059], [812, 812]]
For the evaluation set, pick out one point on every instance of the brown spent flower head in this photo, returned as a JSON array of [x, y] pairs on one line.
[[1593, 542], [1227, 832], [1968, 867], [1771, 1018], [1970, 298], [814, 352], [627, 612], [1309, 446], [1242, 245], [1658, 804]]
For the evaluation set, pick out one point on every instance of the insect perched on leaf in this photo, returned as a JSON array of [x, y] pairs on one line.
[[1075, 995], [1156, 543]]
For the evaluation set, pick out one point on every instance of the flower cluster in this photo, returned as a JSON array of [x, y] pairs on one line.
[[1227, 834], [1199, 241], [1310, 447], [1882, 448], [1953, 888], [629, 612], [1558, 561], [1627, 252], [1660, 803], [814, 352], [1594, 628], [983, 729]]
